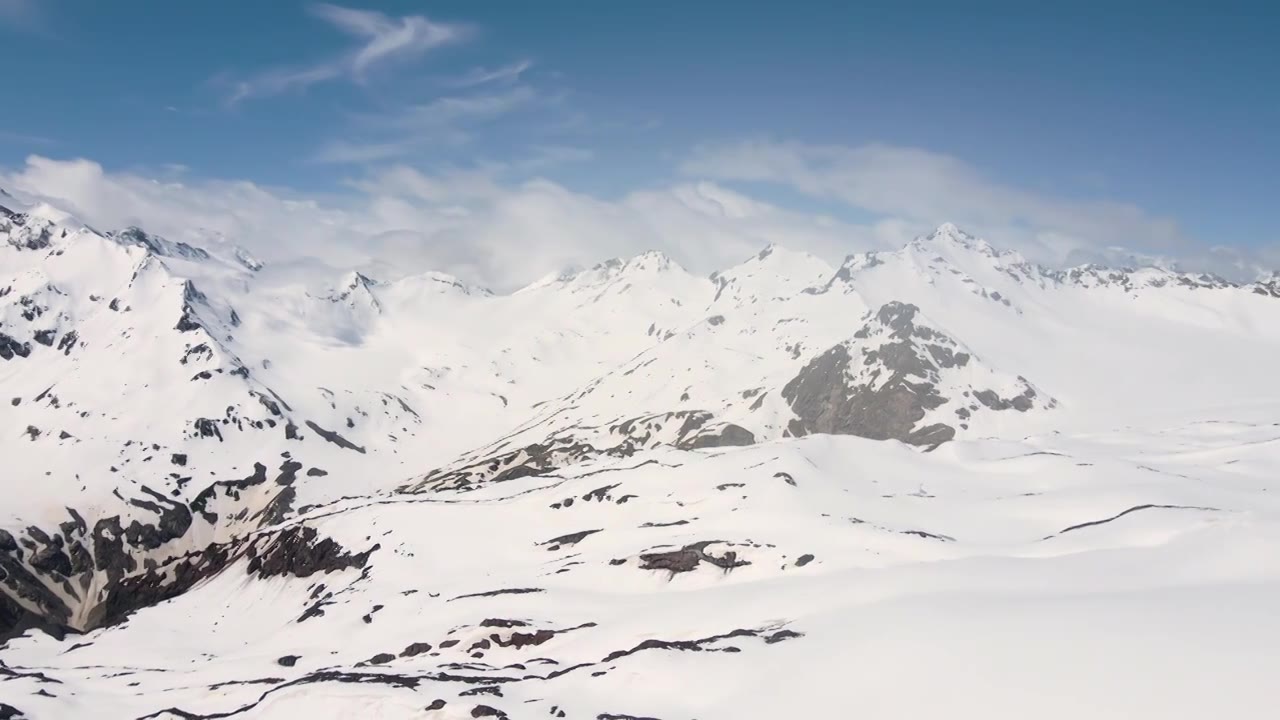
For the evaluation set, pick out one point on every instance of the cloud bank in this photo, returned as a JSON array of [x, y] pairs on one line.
[[926, 187], [476, 224], [503, 226]]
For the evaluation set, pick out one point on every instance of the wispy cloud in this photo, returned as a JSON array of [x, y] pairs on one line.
[[503, 74], [445, 121], [466, 221], [478, 222], [444, 111], [923, 188], [384, 40], [387, 38], [277, 81]]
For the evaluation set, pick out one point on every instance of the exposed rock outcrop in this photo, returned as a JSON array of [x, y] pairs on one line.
[[885, 381]]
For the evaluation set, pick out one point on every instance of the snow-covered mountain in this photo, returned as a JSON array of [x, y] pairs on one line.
[[784, 490]]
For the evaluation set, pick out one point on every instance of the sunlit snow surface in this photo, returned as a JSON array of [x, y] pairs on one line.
[[1110, 551]]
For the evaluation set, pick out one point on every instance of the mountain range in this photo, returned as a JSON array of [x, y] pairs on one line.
[[788, 489]]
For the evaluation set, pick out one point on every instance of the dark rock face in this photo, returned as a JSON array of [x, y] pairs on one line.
[[108, 549], [687, 559], [780, 636], [1269, 288], [157, 245], [23, 235], [824, 403], [881, 384], [825, 400], [525, 639], [158, 584], [730, 435], [288, 660], [51, 559], [206, 428], [226, 488], [492, 593], [296, 550], [100, 577], [694, 429], [173, 519], [415, 649], [281, 506], [68, 342], [702, 644], [10, 348], [189, 321], [191, 298], [1021, 403], [570, 539], [335, 438], [493, 690], [299, 551], [16, 619], [26, 596]]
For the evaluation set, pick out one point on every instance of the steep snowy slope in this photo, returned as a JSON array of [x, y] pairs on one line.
[[239, 493]]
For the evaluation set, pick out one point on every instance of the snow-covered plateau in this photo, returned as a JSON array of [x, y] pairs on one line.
[[941, 481]]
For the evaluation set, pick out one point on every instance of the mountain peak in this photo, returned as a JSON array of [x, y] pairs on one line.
[[953, 244], [432, 281], [773, 272], [950, 233], [356, 288], [651, 260], [769, 249], [950, 230]]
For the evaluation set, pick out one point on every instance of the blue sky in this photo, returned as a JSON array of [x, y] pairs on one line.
[[1165, 115]]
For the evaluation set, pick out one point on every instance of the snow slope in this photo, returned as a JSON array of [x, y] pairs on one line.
[[940, 480]]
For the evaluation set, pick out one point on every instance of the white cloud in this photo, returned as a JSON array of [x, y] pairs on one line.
[[277, 81], [467, 222], [928, 188], [445, 111], [505, 73], [488, 226], [384, 39]]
